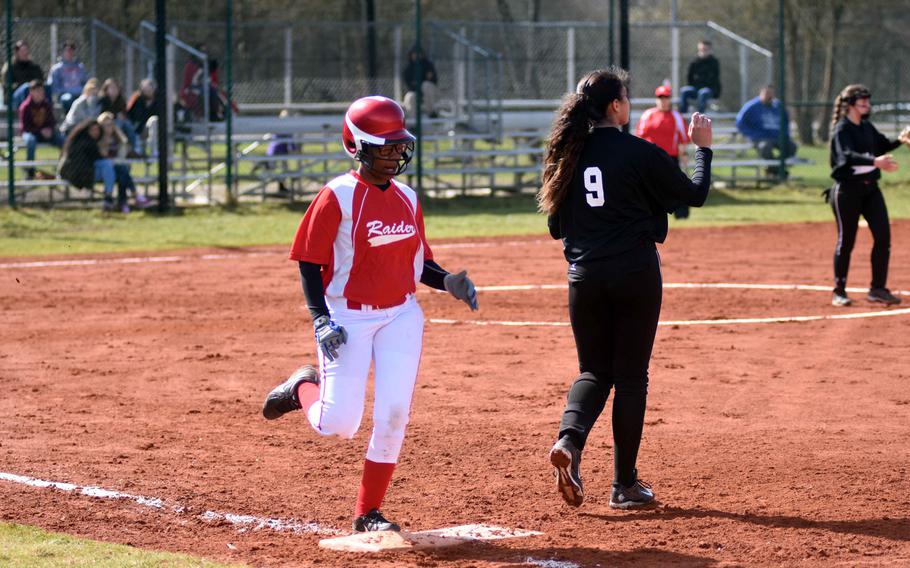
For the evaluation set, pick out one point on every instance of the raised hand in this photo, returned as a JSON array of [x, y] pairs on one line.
[[700, 130], [330, 336], [461, 287], [904, 136]]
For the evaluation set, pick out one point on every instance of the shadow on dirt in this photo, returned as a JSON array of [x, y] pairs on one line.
[[886, 527]]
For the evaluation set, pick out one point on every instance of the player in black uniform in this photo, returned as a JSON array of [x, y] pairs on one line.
[[607, 194], [858, 153]]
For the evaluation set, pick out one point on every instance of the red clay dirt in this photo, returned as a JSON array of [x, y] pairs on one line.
[[782, 444]]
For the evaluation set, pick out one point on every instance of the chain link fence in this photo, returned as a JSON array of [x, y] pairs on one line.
[[545, 60]]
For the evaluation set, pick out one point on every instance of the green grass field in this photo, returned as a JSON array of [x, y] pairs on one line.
[[27, 546], [33, 231]]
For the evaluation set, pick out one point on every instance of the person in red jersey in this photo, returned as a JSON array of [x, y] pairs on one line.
[[665, 127], [361, 250]]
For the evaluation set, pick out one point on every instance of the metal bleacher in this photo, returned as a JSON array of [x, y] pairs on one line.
[[455, 159]]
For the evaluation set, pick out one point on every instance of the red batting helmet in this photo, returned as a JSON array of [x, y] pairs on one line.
[[376, 121]]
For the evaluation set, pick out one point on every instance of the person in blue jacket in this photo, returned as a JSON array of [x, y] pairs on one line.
[[759, 121]]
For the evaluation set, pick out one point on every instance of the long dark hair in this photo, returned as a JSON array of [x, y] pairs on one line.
[[78, 131], [845, 98], [579, 112]]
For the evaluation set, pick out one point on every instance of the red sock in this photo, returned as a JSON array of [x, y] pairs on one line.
[[373, 485], [307, 394]]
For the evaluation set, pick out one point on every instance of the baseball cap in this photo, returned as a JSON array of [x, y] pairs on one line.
[[663, 91]]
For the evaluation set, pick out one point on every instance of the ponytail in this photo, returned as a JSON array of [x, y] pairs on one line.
[[577, 115], [567, 138]]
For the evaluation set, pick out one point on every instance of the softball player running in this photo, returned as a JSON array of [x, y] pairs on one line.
[[858, 154], [607, 194], [361, 249]]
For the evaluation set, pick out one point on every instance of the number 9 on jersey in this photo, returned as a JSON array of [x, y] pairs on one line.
[[594, 186]]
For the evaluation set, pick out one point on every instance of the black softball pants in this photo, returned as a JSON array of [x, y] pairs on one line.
[[614, 313], [849, 200]]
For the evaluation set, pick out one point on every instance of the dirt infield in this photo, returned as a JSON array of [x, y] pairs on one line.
[[784, 444]]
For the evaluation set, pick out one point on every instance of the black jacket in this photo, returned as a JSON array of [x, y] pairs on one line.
[[23, 72], [77, 165], [855, 145], [705, 72], [621, 193]]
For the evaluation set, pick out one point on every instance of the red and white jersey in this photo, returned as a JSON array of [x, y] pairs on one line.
[[666, 129], [370, 242]]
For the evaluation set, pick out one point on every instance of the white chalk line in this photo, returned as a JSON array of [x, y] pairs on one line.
[[224, 256], [720, 285], [243, 523], [716, 321], [550, 563]]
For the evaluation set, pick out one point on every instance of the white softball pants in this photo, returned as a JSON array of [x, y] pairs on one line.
[[391, 339]]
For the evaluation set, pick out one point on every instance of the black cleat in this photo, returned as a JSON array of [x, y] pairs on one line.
[[638, 494], [566, 458], [374, 521], [883, 296], [283, 398]]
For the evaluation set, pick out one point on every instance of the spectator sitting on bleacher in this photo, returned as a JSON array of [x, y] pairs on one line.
[[189, 98], [82, 163], [218, 100], [86, 107], [759, 121], [24, 72], [665, 127], [703, 79], [281, 144], [67, 77], [113, 145], [36, 119], [427, 84], [143, 114], [112, 101]]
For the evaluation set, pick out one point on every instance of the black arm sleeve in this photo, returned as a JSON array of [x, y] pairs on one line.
[[553, 225], [313, 290], [882, 144], [433, 275], [700, 183], [669, 186]]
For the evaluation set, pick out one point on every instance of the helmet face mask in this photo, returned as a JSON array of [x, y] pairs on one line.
[[398, 152], [374, 129]]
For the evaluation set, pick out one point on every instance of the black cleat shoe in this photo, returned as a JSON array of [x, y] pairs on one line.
[[566, 458], [283, 398], [883, 296], [374, 521], [638, 494]]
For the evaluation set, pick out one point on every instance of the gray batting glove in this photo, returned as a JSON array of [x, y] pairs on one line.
[[330, 336], [461, 287]]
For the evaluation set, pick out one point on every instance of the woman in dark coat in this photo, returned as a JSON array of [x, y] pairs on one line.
[[82, 164]]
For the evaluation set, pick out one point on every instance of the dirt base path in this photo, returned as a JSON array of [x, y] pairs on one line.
[[771, 444]]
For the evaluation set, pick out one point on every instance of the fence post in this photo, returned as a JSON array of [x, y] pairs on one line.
[[129, 69], [743, 75], [94, 42], [55, 46], [288, 66], [461, 75], [570, 60], [8, 88], [396, 68], [674, 47]]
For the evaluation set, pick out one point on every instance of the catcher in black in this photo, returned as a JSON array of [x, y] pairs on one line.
[[607, 194], [858, 154]]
